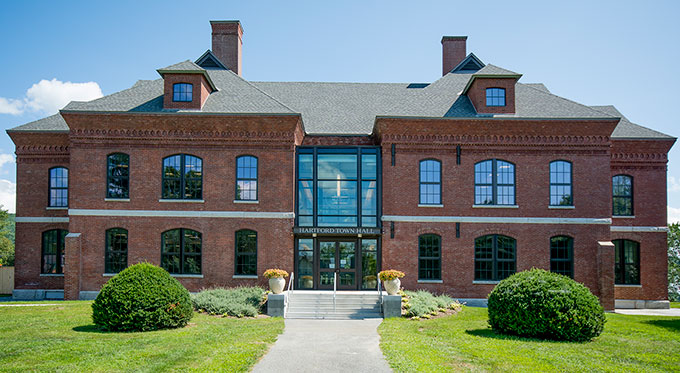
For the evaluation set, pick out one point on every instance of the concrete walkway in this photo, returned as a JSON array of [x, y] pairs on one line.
[[326, 345], [649, 312]]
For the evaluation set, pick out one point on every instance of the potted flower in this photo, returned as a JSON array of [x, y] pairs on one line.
[[371, 282], [391, 280], [307, 282], [276, 279]]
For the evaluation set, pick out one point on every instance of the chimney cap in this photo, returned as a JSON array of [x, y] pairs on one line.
[[226, 22], [448, 38]]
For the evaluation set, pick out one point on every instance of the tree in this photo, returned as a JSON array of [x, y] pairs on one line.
[[674, 262], [6, 238]]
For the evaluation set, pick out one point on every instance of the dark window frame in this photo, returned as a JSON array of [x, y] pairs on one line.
[[494, 258], [491, 96], [182, 251], [50, 187], [569, 259], [570, 184], [237, 254], [110, 177], [256, 179], [629, 197], [621, 272], [186, 95], [60, 251], [421, 182], [438, 258], [109, 265], [182, 178], [494, 183]]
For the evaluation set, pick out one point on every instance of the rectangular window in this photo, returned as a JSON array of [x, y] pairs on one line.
[[430, 182], [246, 178], [58, 193], [560, 183], [495, 97], [626, 262], [429, 257], [246, 253], [115, 259], [118, 176]]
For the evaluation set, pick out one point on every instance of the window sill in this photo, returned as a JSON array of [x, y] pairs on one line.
[[430, 281], [116, 200], [419, 205], [623, 216], [247, 201], [182, 200], [495, 206], [627, 286], [51, 275], [254, 277], [56, 208], [561, 207], [485, 282], [186, 276], [108, 274]]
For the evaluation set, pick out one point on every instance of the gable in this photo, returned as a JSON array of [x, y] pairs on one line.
[[209, 61], [469, 65]]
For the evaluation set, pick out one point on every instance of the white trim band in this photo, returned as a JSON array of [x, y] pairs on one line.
[[494, 219], [637, 229], [184, 214], [40, 219]]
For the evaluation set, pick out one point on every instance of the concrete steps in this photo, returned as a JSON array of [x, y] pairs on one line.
[[347, 305]]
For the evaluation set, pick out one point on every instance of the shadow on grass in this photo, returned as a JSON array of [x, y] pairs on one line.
[[489, 333], [672, 325], [88, 329]]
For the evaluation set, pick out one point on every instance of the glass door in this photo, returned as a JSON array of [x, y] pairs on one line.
[[337, 258]]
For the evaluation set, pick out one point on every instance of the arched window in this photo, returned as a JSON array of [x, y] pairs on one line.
[[429, 257], [626, 262], [622, 195], [430, 182], [118, 176], [494, 182], [58, 193], [562, 255], [182, 92], [115, 256], [53, 251], [246, 178], [182, 177], [246, 253], [560, 184], [494, 257], [495, 97], [181, 251]]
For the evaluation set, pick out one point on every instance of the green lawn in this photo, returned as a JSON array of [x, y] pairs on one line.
[[465, 342], [63, 338], [675, 304]]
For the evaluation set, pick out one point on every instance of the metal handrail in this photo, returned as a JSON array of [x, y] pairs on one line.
[[289, 292], [380, 295], [335, 287]]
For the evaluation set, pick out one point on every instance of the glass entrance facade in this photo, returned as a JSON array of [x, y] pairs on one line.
[[337, 187]]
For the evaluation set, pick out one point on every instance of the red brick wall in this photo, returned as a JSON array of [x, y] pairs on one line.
[[477, 95], [274, 248]]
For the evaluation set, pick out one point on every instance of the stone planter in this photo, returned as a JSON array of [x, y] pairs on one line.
[[392, 286], [276, 285]]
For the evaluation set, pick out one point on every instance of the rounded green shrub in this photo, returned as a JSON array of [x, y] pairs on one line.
[[547, 305], [142, 297]]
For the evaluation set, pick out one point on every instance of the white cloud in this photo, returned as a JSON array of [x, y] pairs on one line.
[[5, 159], [8, 195], [48, 96], [673, 184], [673, 215]]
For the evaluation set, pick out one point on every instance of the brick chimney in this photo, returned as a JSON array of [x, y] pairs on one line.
[[453, 52], [227, 43]]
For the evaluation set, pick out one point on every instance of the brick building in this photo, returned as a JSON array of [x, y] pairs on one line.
[[458, 183]]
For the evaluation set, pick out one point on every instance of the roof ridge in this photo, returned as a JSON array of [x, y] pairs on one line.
[[565, 99], [264, 93]]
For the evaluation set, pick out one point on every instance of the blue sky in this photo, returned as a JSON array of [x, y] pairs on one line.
[[623, 53]]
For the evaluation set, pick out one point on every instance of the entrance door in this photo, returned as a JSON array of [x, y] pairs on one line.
[[337, 258]]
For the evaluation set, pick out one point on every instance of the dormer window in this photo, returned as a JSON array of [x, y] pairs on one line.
[[182, 92], [495, 97]]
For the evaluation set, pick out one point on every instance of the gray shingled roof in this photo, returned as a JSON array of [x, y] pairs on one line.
[[346, 108], [628, 130], [183, 66], [52, 123]]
